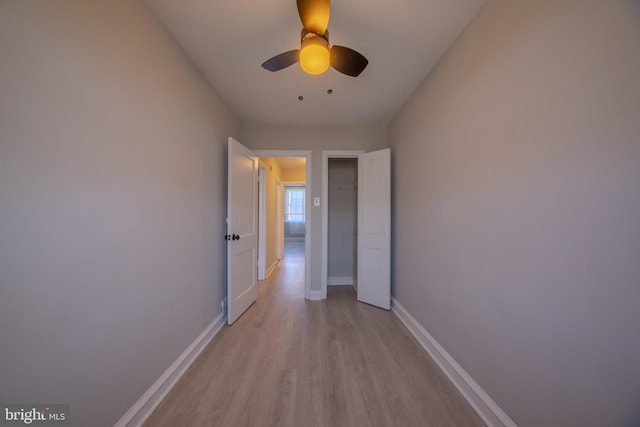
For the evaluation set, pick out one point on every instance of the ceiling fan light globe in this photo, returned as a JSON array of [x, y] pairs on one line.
[[315, 57]]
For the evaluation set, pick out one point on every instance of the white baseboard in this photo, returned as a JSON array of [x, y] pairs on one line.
[[315, 295], [481, 402], [142, 409], [271, 268], [339, 280]]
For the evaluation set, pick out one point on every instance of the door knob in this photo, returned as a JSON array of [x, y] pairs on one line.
[[236, 237]]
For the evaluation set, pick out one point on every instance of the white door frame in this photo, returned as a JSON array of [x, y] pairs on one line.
[[326, 155], [308, 294], [279, 220], [262, 232]]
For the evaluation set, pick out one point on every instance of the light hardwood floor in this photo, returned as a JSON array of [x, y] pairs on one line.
[[291, 362]]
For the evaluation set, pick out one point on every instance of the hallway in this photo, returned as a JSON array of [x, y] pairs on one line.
[[291, 362]]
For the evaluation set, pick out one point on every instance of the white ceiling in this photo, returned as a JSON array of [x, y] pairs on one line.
[[228, 40]]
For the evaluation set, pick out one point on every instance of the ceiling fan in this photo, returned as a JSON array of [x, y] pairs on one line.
[[315, 55]]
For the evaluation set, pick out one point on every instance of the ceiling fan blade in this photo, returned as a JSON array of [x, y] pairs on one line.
[[314, 15], [348, 61], [282, 61]]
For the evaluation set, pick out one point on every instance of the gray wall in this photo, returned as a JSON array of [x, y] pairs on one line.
[[517, 208], [342, 217], [112, 204], [316, 139]]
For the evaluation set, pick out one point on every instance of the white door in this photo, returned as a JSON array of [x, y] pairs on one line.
[[242, 233], [374, 228]]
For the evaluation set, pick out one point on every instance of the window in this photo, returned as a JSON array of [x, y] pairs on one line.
[[294, 204]]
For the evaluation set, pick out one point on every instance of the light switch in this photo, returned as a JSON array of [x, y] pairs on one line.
[[316, 201]]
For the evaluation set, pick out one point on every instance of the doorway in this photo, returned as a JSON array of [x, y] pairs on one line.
[[372, 278], [284, 209], [342, 222], [340, 219]]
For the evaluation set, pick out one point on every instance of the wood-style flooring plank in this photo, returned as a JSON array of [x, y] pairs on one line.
[[292, 362]]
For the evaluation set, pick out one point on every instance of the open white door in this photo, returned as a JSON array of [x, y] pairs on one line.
[[242, 232], [374, 228]]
